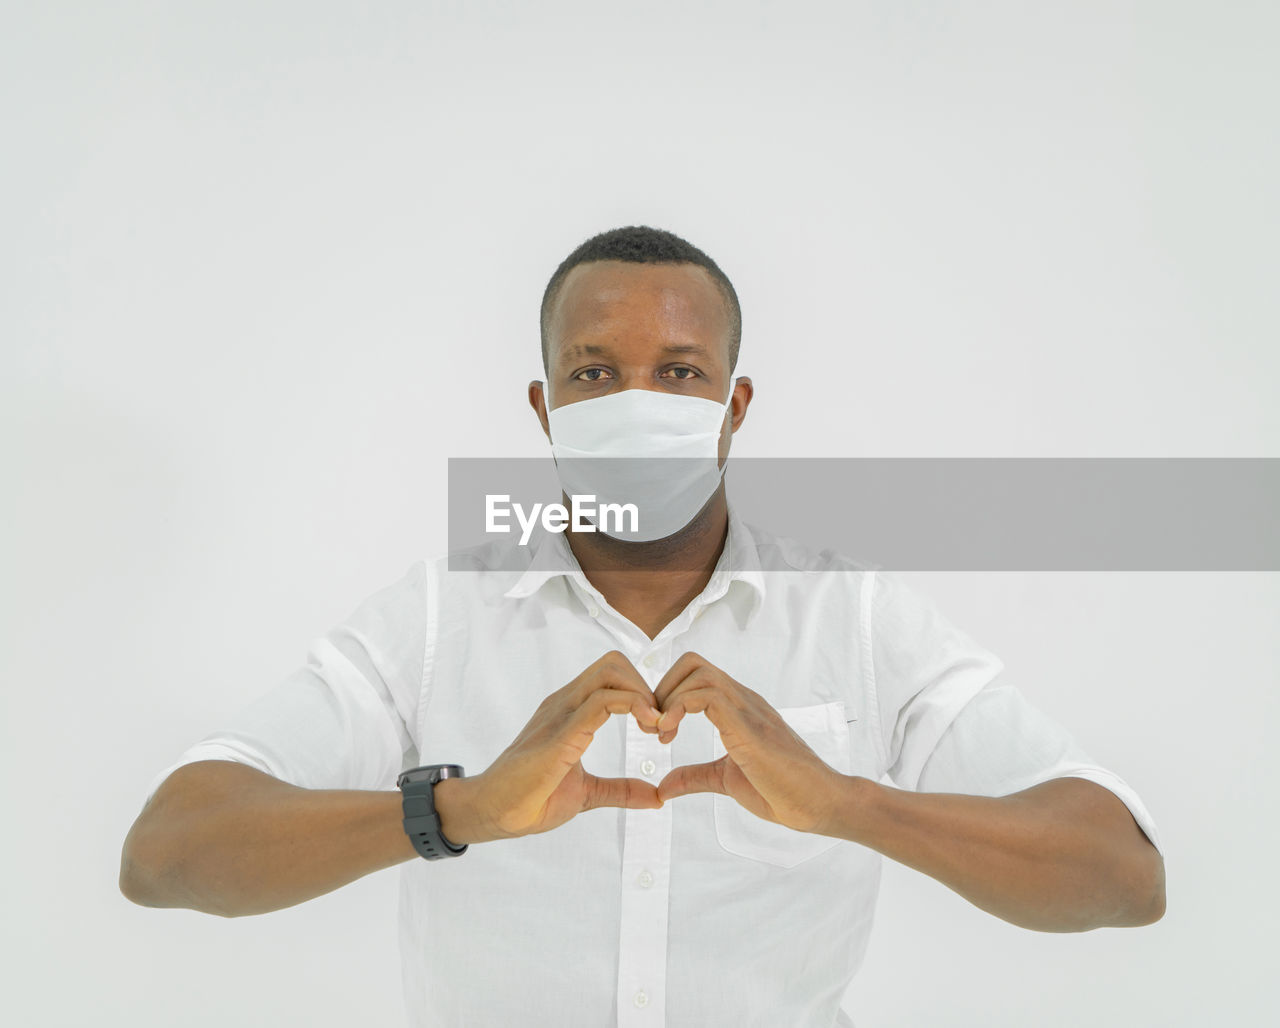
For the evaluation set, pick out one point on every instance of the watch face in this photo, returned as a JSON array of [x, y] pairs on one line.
[[429, 773]]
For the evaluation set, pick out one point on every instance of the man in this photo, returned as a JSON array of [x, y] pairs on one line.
[[712, 856]]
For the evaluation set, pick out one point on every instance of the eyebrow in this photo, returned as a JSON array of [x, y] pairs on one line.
[[599, 350]]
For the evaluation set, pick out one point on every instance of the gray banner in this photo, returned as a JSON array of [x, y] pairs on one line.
[[969, 514]]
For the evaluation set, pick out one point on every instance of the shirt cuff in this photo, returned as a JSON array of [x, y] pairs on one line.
[[1117, 785], [209, 751]]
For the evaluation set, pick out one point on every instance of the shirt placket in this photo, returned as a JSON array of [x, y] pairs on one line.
[[646, 839], [646, 865]]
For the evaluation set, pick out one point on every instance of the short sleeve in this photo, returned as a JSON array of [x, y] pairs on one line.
[[342, 720], [924, 671], [1001, 743]]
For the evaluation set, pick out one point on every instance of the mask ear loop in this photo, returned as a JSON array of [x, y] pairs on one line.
[[728, 408], [728, 404]]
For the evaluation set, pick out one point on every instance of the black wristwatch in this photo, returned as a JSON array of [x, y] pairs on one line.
[[421, 822]]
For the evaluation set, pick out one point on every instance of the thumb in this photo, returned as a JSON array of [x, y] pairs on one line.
[[689, 778], [619, 792]]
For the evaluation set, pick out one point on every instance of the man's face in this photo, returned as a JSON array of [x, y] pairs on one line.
[[619, 325]]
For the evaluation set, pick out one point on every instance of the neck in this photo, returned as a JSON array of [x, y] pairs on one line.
[[650, 583]]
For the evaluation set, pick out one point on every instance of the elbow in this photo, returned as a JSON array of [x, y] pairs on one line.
[[141, 866], [146, 875], [1155, 894], [151, 884], [1146, 892], [137, 879], [149, 874], [1157, 909], [1134, 895]]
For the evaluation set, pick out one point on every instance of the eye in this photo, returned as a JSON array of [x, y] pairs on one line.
[[592, 374], [691, 373]]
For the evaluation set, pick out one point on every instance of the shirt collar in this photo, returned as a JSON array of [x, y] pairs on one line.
[[739, 561]]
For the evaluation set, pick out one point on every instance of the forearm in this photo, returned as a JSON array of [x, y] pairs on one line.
[[227, 839], [1064, 856]]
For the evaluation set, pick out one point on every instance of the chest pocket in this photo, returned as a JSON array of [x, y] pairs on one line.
[[824, 729]]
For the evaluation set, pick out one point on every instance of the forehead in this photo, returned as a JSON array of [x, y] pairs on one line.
[[662, 300]]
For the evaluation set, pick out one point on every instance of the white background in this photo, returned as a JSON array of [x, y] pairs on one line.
[[267, 266]]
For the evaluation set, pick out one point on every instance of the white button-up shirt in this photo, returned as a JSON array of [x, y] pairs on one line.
[[696, 914]]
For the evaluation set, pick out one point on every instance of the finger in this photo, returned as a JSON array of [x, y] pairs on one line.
[[711, 700], [708, 777], [704, 676], [693, 671], [597, 708], [672, 713], [684, 665], [612, 670], [620, 792]]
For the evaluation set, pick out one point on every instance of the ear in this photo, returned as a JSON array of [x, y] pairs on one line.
[[743, 390], [538, 401]]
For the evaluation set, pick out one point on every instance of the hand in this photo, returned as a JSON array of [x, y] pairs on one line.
[[767, 767], [538, 783]]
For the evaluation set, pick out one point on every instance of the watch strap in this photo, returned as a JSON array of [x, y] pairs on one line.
[[422, 821]]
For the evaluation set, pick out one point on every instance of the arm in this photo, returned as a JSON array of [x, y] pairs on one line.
[[1062, 856], [987, 793], [227, 839], [294, 795]]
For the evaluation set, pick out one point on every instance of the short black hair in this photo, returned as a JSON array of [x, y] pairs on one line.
[[641, 244]]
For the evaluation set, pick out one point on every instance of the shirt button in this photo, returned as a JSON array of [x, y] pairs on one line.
[[641, 999], [594, 611], [648, 767], [649, 660], [645, 879]]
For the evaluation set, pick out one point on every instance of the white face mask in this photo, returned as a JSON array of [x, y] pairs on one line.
[[669, 445]]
